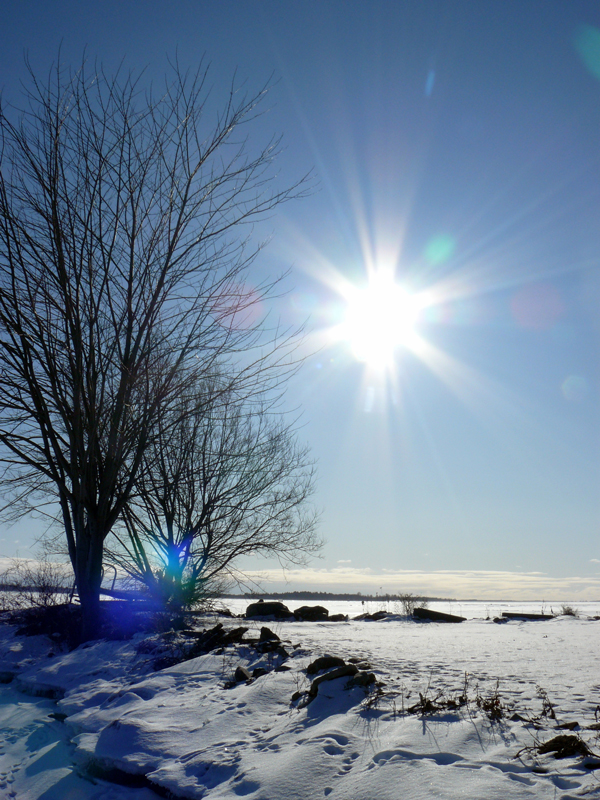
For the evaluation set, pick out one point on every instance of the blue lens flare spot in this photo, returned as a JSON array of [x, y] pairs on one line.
[[429, 83]]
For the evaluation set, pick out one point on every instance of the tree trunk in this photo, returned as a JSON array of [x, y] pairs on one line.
[[88, 573]]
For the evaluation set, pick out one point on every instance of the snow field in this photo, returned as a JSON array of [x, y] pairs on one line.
[[190, 731]]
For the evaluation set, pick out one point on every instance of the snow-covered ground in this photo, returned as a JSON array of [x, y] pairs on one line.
[[80, 724]]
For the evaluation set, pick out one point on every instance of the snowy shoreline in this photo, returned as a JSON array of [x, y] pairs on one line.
[[191, 731]]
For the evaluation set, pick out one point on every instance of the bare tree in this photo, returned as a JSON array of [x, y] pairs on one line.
[[231, 480], [29, 583], [122, 274]]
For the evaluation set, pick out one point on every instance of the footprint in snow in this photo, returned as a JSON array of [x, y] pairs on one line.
[[245, 787], [564, 783], [333, 749], [336, 737], [442, 759], [520, 778], [348, 762]]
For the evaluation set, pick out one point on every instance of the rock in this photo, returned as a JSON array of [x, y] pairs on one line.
[[258, 672], [362, 678], [348, 670], [214, 639], [338, 618], [219, 636], [312, 614], [268, 647], [379, 615], [272, 608], [436, 616], [325, 662], [372, 617], [241, 674], [267, 635]]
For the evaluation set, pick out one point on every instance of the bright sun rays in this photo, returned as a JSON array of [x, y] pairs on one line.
[[379, 319], [376, 320], [387, 310]]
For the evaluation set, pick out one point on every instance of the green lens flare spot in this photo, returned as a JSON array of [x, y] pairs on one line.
[[587, 44], [439, 249]]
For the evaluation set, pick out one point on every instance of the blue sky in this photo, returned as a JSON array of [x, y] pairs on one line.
[[457, 145]]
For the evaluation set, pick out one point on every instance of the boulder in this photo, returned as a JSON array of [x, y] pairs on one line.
[[348, 670], [324, 662], [241, 674], [312, 614], [205, 642], [375, 617], [270, 646], [272, 608], [362, 678], [267, 635], [436, 616]]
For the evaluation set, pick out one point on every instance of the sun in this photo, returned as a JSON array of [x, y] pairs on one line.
[[380, 319]]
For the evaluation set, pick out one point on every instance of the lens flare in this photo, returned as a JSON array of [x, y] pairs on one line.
[[575, 388], [538, 306], [439, 249], [587, 43]]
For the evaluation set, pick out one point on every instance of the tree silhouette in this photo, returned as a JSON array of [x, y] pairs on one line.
[[123, 264]]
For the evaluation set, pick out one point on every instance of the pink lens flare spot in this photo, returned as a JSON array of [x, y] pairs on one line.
[[538, 306]]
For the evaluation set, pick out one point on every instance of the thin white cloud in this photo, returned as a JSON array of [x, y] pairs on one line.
[[462, 584], [459, 584]]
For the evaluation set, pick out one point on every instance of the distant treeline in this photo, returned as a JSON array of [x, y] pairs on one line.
[[19, 587], [332, 596]]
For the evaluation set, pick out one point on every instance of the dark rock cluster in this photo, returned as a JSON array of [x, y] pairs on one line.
[[274, 609], [328, 668]]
